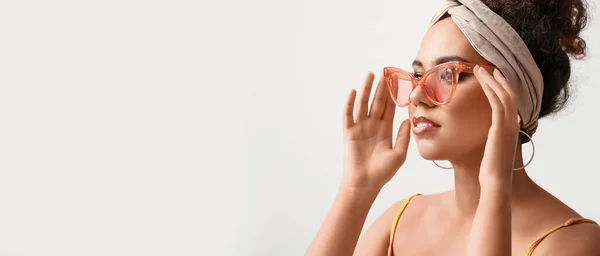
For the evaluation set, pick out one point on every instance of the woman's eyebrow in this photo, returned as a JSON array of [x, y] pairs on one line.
[[417, 63], [440, 60], [445, 59]]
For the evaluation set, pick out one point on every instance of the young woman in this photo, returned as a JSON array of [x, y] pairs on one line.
[[485, 73]]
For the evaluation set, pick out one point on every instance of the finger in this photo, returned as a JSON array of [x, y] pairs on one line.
[[495, 102], [379, 100], [390, 108], [363, 101], [502, 81], [403, 138], [388, 114], [498, 89], [348, 119]]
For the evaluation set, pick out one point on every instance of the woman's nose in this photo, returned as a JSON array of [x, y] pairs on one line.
[[417, 97]]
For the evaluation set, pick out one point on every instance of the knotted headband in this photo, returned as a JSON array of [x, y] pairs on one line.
[[496, 41]]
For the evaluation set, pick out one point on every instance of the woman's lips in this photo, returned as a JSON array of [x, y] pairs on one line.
[[422, 125]]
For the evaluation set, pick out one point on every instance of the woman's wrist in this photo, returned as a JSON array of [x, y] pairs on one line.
[[495, 181], [496, 188], [361, 195], [363, 188]]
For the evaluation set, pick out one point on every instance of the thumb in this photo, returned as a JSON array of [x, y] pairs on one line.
[[403, 137]]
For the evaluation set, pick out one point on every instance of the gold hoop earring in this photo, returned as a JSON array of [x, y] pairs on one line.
[[521, 168], [443, 167], [532, 151]]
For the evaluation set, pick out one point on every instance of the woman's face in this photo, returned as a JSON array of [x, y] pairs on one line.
[[463, 123]]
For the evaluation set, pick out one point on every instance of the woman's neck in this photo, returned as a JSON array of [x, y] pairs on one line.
[[467, 188]]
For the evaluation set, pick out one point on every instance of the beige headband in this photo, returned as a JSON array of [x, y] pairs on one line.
[[496, 41]]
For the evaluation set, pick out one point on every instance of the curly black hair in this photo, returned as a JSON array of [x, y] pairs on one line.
[[550, 29]]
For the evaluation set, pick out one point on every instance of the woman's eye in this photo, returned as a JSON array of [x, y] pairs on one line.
[[446, 75], [417, 75]]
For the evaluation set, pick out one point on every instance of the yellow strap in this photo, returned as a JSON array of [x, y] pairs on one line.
[[569, 222], [393, 231]]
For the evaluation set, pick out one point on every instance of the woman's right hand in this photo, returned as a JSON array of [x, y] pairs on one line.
[[370, 159]]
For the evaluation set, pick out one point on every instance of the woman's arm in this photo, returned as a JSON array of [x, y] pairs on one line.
[[491, 228], [342, 226], [370, 161], [375, 240]]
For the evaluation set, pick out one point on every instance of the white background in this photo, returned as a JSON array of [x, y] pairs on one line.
[[214, 128]]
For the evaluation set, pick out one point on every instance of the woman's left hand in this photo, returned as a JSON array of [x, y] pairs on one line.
[[501, 145], [491, 228]]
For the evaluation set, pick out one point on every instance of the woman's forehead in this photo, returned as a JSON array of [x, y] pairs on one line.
[[445, 39]]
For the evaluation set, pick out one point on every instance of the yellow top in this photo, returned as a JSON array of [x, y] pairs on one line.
[[569, 222]]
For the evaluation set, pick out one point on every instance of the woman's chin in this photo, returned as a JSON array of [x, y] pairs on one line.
[[429, 155], [430, 151]]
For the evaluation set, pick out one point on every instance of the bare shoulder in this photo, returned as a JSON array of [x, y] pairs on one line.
[[574, 240], [419, 205], [375, 240], [420, 213], [415, 205]]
